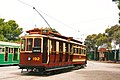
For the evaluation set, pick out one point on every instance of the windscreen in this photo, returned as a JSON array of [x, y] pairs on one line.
[[29, 43]]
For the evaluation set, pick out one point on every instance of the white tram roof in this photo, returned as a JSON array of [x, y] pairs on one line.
[[2, 43]]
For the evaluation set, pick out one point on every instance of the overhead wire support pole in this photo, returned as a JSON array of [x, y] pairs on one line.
[[42, 17]]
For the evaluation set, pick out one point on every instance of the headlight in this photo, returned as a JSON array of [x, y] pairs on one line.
[[29, 58]]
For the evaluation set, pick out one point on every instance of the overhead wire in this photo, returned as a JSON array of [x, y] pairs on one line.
[[55, 18], [48, 16], [78, 31], [25, 3], [36, 11], [58, 21]]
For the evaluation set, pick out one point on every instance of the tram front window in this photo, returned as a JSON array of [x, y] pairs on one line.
[[37, 45], [37, 42], [23, 45], [29, 44]]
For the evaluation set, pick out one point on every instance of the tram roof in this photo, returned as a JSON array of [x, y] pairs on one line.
[[49, 32], [2, 43]]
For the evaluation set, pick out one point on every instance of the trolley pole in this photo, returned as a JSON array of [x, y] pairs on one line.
[[42, 17]]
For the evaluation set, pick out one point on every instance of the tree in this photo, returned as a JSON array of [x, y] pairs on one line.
[[55, 31], [118, 33], [52, 30], [103, 39], [110, 34], [90, 42], [113, 33], [9, 31], [117, 36]]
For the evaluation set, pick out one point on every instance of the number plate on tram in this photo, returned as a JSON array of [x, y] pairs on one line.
[[36, 58]]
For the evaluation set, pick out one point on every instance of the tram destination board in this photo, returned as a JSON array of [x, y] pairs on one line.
[[36, 50]]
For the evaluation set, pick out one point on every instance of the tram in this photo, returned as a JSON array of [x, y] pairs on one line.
[[9, 53], [43, 50]]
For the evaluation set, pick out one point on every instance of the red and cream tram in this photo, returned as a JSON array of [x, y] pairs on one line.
[[44, 50]]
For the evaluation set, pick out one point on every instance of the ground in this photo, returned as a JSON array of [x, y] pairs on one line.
[[93, 71]]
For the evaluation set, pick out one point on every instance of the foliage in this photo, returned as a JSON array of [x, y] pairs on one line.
[[90, 42], [54, 30], [117, 36], [112, 33], [9, 31], [101, 39]]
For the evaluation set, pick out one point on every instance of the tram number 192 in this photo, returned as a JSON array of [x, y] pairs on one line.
[[36, 58]]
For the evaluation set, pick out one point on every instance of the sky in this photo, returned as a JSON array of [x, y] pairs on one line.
[[76, 18]]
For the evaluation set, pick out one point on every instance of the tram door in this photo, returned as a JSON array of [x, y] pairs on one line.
[[6, 53], [15, 54], [45, 50]]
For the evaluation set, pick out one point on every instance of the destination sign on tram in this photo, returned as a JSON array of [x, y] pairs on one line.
[[36, 50]]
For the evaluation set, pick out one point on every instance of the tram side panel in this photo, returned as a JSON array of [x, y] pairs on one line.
[[7, 55], [33, 59], [47, 58], [30, 59], [79, 55]]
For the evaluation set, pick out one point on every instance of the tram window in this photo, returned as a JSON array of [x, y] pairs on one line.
[[60, 46], [37, 42], [1, 49], [84, 51], [71, 49], [23, 45], [79, 50], [11, 50], [66, 47], [29, 44], [15, 50], [75, 49], [15, 56], [53, 43], [7, 50]]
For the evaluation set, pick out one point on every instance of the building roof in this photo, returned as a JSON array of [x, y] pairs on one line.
[[102, 50]]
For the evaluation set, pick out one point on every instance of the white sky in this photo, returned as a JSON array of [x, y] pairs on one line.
[[82, 17]]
